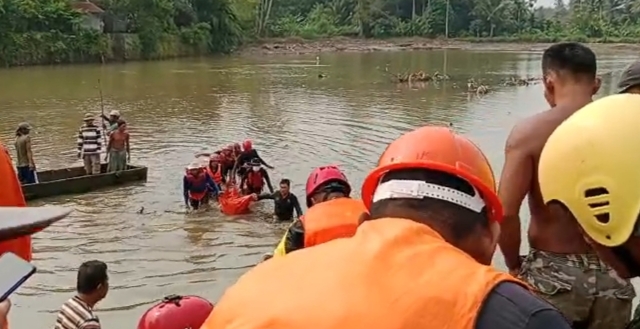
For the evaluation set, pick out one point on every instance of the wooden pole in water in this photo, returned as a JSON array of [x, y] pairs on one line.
[[104, 131]]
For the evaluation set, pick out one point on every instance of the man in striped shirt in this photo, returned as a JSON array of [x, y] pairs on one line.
[[90, 145], [92, 286]]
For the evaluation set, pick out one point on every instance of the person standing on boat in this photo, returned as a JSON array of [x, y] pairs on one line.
[[421, 259], [25, 165], [560, 265], [111, 124], [90, 145], [118, 149]]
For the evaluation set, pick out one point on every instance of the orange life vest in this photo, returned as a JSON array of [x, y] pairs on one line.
[[11, 196], [393, 273], [333, 219], [198, 186], [255, 179], [217, 175]]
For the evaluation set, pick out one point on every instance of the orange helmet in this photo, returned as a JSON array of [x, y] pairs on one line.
[[176, 312], [437, 148]]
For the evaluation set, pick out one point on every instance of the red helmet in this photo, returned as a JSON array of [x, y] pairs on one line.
[[321, 177], [176, 312], [247, 145]]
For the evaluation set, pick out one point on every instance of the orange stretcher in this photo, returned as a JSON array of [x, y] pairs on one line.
[[233, 203]]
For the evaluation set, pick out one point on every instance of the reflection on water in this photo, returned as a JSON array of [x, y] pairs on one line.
[[178, 108]]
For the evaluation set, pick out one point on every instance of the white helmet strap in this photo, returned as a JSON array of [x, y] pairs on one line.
[[415, 189]]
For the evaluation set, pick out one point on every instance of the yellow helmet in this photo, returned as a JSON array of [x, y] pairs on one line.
[[591, 164]]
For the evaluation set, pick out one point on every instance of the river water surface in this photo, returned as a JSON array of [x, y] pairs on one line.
[[176, 108]]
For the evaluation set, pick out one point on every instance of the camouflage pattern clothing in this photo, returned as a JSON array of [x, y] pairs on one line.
[[635, 322], [588, 292]]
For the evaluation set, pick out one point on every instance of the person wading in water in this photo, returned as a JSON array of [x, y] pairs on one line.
[[560, 264], [25, 165], [118, 149], [284, 202]]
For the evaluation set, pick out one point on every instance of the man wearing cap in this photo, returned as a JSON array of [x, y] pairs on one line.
[[25, 165], [90, 145], [630, 80], [112, 119]]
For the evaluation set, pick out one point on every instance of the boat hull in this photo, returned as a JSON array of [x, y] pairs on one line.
[[75, 181]]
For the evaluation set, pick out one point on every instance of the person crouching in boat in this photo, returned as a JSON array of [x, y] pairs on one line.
[[176, 312], [593, 178], [253, 181], [215, 170], [337, 218], [422, 258], [197, 186]]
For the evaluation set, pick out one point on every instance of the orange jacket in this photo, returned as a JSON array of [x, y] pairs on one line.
[[393, 274], [333, 219], [11, 196], [217, 175]]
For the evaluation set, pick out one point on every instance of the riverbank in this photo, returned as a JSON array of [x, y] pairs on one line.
[[299, 46]]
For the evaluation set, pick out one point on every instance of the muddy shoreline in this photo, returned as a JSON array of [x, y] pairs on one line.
[[298, 46]]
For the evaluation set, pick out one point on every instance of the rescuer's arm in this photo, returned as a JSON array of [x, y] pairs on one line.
[[262, 161], [515, 181], [265, 174], [266, 196], [185, 190], [296, 205], [212, 185], [511, 306]]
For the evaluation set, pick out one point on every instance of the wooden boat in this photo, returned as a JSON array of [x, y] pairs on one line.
[[74, 180]]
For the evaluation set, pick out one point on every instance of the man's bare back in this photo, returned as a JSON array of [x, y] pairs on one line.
[[551, 228]]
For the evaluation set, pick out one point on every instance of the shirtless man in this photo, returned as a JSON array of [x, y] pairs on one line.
[[560, 264], [118, 148]]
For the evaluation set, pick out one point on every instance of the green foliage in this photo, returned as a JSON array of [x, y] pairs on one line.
[[50, 31], [473, 20]]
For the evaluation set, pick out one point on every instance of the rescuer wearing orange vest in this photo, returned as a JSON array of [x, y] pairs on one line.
[[332, 214], [421, 259]]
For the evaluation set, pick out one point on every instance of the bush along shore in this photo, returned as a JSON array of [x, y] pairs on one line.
[[59, 31]]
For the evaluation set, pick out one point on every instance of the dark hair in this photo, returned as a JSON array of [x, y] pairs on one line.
[[121, 122], [91, 275], [286, 182], [458, 221], [573, 58]]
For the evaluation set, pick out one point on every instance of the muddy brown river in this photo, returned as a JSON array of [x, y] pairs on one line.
[[177, 108]]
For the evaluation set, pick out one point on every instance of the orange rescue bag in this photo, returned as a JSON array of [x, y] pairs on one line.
[[233, 203]]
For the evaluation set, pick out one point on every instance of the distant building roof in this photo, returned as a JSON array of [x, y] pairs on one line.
[[87, 7]]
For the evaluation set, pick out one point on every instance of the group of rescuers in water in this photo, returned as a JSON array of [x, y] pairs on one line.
[[416, 250]]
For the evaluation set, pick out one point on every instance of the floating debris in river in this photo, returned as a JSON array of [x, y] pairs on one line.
[[419, 76]]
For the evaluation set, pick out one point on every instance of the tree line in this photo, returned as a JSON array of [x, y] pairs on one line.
[[51, 31]]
